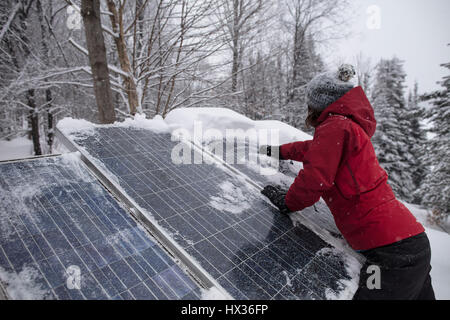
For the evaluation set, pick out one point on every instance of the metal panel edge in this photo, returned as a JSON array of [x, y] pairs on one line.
[[3, 292]]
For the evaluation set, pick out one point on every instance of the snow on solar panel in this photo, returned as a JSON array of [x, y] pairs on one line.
[[219, 219], [57, 222]]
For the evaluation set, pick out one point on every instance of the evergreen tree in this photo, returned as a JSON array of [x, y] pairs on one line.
[[391, 140], [417, 143], [436, 188], [308, 63], [260, 88]]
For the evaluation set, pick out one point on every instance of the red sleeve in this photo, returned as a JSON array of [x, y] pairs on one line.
[[295, 151], [320, 165]]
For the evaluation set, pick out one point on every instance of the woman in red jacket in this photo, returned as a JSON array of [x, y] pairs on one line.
[[340, 166]]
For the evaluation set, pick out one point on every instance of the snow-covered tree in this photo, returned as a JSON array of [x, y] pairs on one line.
[[364, 72], [436, 187], [17, 36], [240, 21], [417, 142], [391, 140], [308, 64], [307, 23], [264, 87]]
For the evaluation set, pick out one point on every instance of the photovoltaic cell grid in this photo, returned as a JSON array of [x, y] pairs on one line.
[[241, 153], [54, 214], [254, 253]]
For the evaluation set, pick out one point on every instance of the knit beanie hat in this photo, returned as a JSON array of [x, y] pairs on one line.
[[328, 87]]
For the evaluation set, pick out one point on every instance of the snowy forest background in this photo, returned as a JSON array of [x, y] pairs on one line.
[[252, 56]]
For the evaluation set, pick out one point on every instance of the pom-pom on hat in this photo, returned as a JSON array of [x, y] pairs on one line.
[[328, 87]]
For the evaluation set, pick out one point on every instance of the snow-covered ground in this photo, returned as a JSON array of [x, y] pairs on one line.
[[17, 148], [440, 263], [440, 258]]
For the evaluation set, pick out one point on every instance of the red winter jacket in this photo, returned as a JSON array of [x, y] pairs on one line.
[[340, 166]]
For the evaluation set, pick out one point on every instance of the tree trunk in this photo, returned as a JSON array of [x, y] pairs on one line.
[[34, 119], [129, 82], [90, 11], [234, 69], [50, 121], [235, 35], [48, 92]]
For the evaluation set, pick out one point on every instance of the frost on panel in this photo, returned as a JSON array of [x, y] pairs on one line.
[[24, 285], [232, 198], [32, 194]]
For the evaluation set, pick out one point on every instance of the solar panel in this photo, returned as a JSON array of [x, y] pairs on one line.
[[221, 221], [55, 217]]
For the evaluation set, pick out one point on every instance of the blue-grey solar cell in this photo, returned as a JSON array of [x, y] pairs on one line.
[[54, 217], [222, 222]]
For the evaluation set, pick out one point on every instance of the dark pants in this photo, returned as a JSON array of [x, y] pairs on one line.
[[404, 271]]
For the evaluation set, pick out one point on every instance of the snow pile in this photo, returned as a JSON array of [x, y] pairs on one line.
[[209, 126], [23, 286], [73, 161], [157, 124], [17, 148], [221, 120], [210, 118], [287, 133], [70, 126]]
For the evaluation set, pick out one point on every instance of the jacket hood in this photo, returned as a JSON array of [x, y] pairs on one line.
[[354, 105]]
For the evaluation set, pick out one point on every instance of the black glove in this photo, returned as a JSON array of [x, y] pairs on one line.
[[270, 151], [277, 196]]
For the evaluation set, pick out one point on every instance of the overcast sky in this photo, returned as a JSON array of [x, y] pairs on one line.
[[416, 31]]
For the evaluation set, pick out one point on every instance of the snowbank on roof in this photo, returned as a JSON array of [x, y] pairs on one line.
[[220, 119], [287, 133], [70, 125], [139, 121], [157, 124], [211, 118], [223, 119]]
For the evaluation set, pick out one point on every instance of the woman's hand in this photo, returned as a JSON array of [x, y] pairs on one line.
[[270, 151], [277, 196]]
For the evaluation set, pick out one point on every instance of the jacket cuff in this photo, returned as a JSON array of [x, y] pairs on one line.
[[294, 206]]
